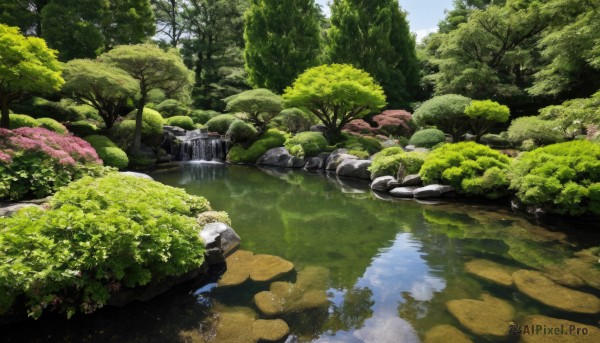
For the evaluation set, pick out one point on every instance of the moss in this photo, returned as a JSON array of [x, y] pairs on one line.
[[183, 122], [312, 143], [427, 138], [21, 120], [271, 139], [390, 160]]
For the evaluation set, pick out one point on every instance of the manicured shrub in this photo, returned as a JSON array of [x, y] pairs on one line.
[[156, 96], [183, 122], [574, 116], [21, 120], [82, 128], [99, 141], [389, 161], [220, 123], [241, 132], [427, 138], [312, 144], [98, 236], [394, 122], [268, 140], [36, 162], [152, 129], [445, 112], [113, 157], [542, 132], [355, 142], [563, 177], [42, 108], [469, 167], [152, 123], [294, 120], [52, 125], [203, 116], [171, 108], [358, 126], [483, 114], [496, 141], [260, 106]]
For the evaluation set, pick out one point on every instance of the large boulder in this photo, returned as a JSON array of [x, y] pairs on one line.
[[411, 180], [432, 191], [337, 157], [140, 175], [487, 317], [176, 130], [384, 183], [403, 192], [220, 241], [280, 157], [7, 210], [319, 128], [314, 163], [354, 168], [491, 271]]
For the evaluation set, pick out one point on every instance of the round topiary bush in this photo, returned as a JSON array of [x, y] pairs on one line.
[[171, 108], [312, 144], [294, 120], [446, 112], [203, 116], [563, 177], [21, 120], [541, 132], [152, 123], [220, 123], [241, 132], [98, 236], [82, 128], [99, 141], [395, 161], [183, 122], [469, 167], [52, 125], [271, 139], [113, 157], [427, 138]]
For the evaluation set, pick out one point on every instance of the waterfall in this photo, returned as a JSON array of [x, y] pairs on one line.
[[200, 146]]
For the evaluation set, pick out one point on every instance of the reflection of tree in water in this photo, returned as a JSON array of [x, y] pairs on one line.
[[352, 313]]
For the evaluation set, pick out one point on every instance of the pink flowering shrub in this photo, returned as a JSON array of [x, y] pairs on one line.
[[358, 126], [35, 162], [394, 122]]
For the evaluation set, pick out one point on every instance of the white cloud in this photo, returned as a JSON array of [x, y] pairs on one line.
[[424, 32]]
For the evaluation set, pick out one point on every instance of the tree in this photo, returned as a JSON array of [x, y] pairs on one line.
[[461, 12], [153, 68], [127, 22], [26, 65], [374, 36], [170, 19], [483, 114], [261, 105], [446, 112], [283, 38], [394, 122], [102, 86], [26, 14], [336, 94]]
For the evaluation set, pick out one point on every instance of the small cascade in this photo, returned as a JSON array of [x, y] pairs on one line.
[[200, 146]]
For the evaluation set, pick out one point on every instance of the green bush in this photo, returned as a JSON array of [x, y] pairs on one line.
[[85, 111], [496, 141], [171, 108], [99, 141], [220, 123], [389, 161], [113, 157], [52, 125], [82, 128], [445, 112], [42, 108], [152, 129], [271, 139], [183, 122], [21, 120], [542, 132], [312, 143], [294, 120], [241, 132], [575, 116], [203, 116], [99, 235], [156, 96], [563, 177], [152, 123], [140, 161], [427, 138], [469, 167]]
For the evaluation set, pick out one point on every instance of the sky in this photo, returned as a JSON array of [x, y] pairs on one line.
[[423, 15]]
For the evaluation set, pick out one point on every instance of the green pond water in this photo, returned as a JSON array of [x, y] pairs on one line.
[[392, 264]]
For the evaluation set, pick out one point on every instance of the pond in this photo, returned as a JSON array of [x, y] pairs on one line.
[[394, 269]]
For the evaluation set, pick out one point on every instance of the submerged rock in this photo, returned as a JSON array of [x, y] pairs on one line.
[[491, 271], [488, 316], [446, 333], [580, 270], [535, 285], [570, 331], [270, 330], [243, 265], [269, 267], [235, 325]]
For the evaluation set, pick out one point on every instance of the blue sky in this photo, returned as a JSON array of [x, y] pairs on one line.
[[423, 15]]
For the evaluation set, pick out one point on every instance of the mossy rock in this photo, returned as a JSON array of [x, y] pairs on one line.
[[235, 325], [238, 268], [592, 336], [269, 267], [243, 265], [270, 330], [213, 217], [491, 271], [578, 271], [487, 317], [446, 333], [535, 285]]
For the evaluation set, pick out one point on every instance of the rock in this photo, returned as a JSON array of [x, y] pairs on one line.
[[409, 148], [220, 240], [177, 131], [7, 210], [411, 180], [535, 285], [269, 267], [491, 271], [313, 163], [270, 330], [384, 183], [488, 316], [140, 175], [280, 157], [337, 157], [319, 128], [238, 268], [592, 333], [577, 271], [243, 265], [354, 168], [446, 333], [147, 151], [236, 326], [389, 143], [432, 191], [403, 192]]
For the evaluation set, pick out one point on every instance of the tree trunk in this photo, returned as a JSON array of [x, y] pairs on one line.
[[5, 121], [137, 136]]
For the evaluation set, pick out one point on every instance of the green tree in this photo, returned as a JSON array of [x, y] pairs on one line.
[[102, 86], [170, 19], [336, 94], [283, 38], [26, 65], [374, 36], [127, 22], [483, 114], [260, 105], [26, 14], [461, 11], [446, 112], [153, 68]]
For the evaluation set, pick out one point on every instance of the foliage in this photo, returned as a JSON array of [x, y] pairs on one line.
[[27, 65], [39, 108], [213, 217], [21, 120], [36, 162], [564, 177], [394, 122], [104, 87], [576, 116], [170, 20], [268, 140], [152, 129], [260, 105], [99, 236], [220, 123], [240, 132], [99, 141], [282, 39], [375, 36], [542, 132], [427, 138], [183, 122], [203, 116], [82, 128], [445, 112], [172, 108], [336, 94], [367, 144], [113, 157], [294, 120], [469, 167], [389, 161], [358, 126], [496, 141], [312, 143], [483, 114], [52, 125]]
